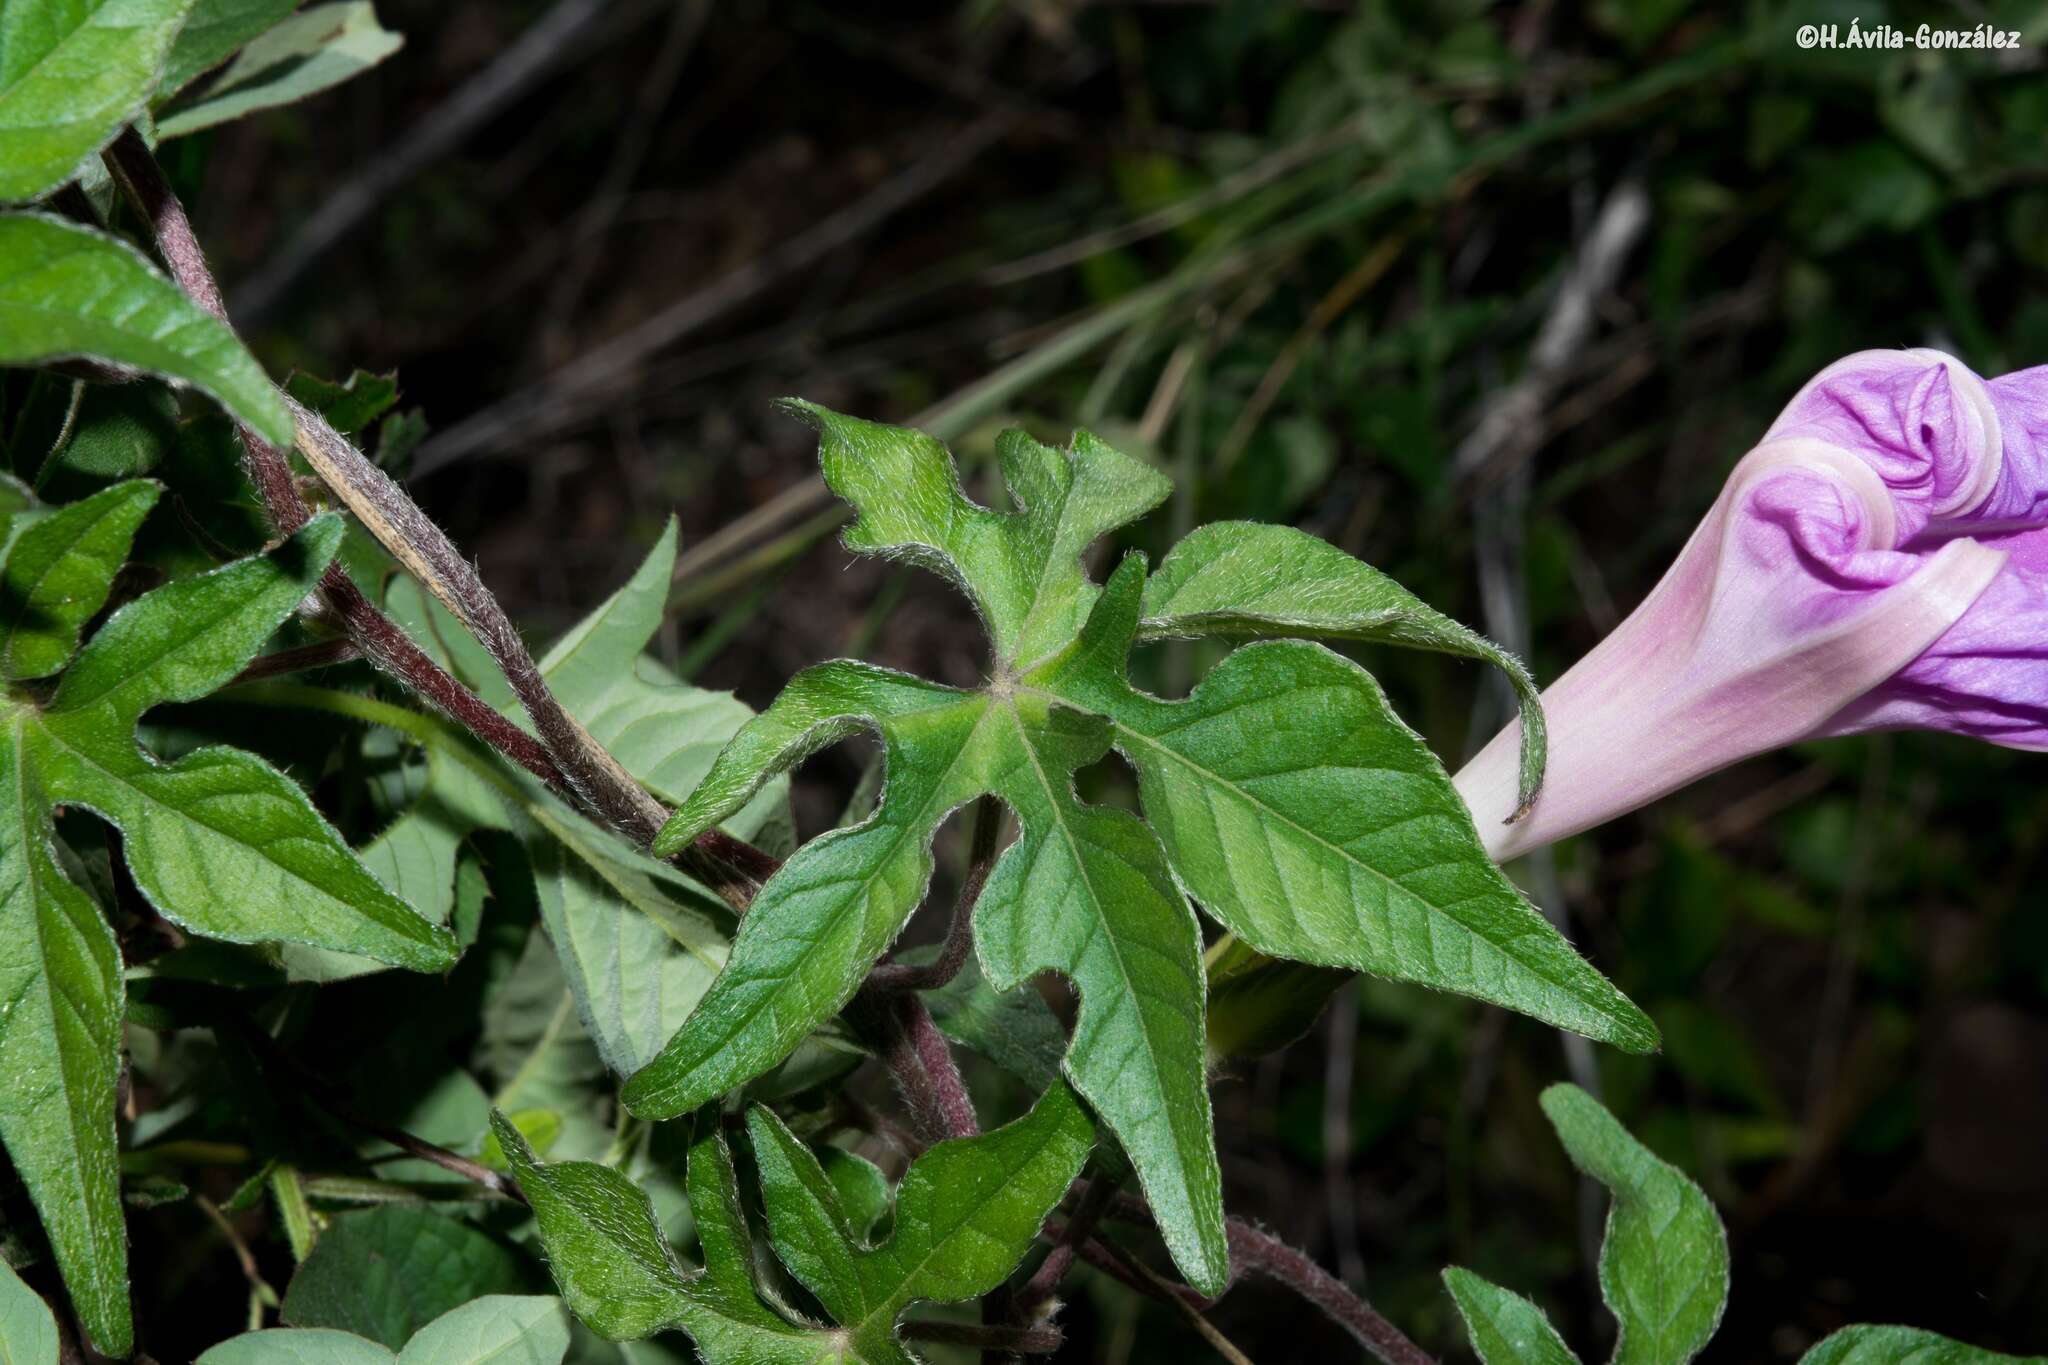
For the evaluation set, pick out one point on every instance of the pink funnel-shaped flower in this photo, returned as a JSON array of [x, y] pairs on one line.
[[1879, 561]]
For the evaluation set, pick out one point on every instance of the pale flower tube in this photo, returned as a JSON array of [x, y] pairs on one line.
[[1878, 561]]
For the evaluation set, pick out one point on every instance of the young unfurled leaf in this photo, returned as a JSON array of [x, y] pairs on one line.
[[312, 51], [966, 1213], [71, 76], [68, 291], [1903, 1346], [1244, 580], [1664, 1264], [1506, 1329], [1290, 800], [219, 842]]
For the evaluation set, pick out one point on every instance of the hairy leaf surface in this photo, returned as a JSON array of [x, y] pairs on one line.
[[68, 291], [1506, 1329], [1245, 580], [71, 75], [1664, 1264], [1289, 799], [1865, 1345]]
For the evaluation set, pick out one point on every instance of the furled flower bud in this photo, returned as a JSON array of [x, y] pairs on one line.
[[1879, 561]]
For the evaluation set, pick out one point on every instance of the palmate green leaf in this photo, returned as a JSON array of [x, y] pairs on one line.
[[619, 1275], [966, 1213], [496, 1329], [219, 842], [1244, 580], [1664, 1264], [385, 1273], [58, 575], [1302, 813], [71, 75], [28, 1334], [1506, 1329], [212, 33], [1903, 1346], [68, 291], [1349, 847], [313, 50]]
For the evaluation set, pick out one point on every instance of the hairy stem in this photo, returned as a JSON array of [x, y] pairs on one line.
[[372, 632], [1040, 1340], [959, 941], [1259, 1252], [565, 754]]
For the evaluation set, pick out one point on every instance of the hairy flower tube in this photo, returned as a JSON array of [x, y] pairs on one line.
[[1878, 562]]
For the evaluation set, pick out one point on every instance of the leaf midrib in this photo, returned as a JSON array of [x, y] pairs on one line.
[[56, 736], [1349, 857], [1088, 883]]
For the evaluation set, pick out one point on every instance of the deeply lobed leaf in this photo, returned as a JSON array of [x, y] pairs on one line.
[[219, 842], [1289, 799], [966, 1213]]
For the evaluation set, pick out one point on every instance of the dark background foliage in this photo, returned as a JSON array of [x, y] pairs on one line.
[[1843, 944]]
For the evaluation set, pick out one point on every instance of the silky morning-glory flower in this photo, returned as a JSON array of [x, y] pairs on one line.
[[1878, 562]]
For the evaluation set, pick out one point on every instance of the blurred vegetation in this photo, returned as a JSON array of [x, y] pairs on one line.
[[1289, 251]]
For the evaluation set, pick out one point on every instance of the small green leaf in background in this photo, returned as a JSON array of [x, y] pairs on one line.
[[385, 1273], [312, 51], [966, 1213], [1506, 1329], [1243, 580], [71, 76], [495, 1329], [1664, 1264], [1903, 1346], [58, 574], [213, 32], [28, 1334], [297, 1346], [68, 291]]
